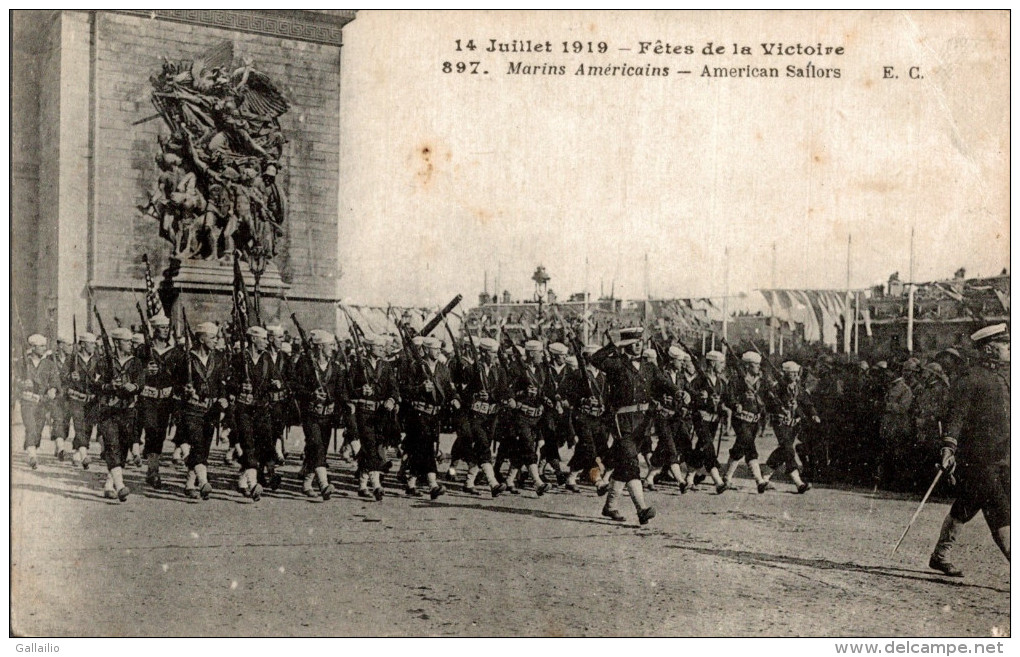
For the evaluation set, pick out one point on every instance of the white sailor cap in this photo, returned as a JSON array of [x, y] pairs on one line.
[[207, 328], [572, 361], [374, 341], [321, 337], [275, 330], [258, 332], [677, 352], [159, 320], [430, 342], [121, 333], [418, 340], [791, 366], [533, 345], [488, 344], [591, 349], [993, 333], [751, 357], [715, 357], [37, 340], [559, 349], [137, 338], [87, 337]]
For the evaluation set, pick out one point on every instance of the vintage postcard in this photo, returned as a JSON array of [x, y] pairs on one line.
[[339, 323]]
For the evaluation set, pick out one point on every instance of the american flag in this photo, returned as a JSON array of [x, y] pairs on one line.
[[240, 300], [153, 306]]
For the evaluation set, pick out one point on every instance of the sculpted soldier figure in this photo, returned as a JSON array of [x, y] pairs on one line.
[[976, 447]]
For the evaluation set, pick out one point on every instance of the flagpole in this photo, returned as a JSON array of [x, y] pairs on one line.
[[857, 326], [726, 294], [584, 314], [846, 300], [910, 297], [772, 311]]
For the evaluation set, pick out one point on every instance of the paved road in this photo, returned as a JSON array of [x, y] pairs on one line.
[[737, 564]]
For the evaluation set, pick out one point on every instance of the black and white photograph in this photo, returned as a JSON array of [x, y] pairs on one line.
[[349, 323]]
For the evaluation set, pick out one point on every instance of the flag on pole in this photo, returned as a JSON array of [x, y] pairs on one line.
[[153, 306], [240, 314]]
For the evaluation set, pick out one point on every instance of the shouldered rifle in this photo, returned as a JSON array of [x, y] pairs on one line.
[[187, 346], [359, 353], [74, 347], [694, 359], [308, 350], [575, 342], [107, 345], [419, 360], [434, 322], [732, 355], [150, 350]]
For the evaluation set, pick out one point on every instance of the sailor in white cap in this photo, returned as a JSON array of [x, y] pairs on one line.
[[318, 381], [485, 390], [163, 360], [203, 394], [372, 384], [281, 402], [976, 447], [253, 374], [426, 389], [59, 415], [118, 399], [629, 381], [747, 397], [585, 391], [708, 402], [671, 402], [529, 390], [80, 387], [555, 429], [788, 403], [39, 383]]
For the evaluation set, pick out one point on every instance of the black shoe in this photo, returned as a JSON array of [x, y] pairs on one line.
[[61, 455], [647, 486], [85, 463], [109, 494], [683, 487], [601, 490], [721, 488], [803, 488], [327, 492], [436, 492], [387, 466], [542, 489], [123, 493], [471, 490], [943, 566], [33, 463], [153, 480], [613, 514], [698, 478], [256, 493], [412, 492], [561, 478], [512, 490], [205, 491], [498, 489], [363, 492], [378, 492], [192, 493], [573, 488], [275, 479], [646, 514], [309, 492]]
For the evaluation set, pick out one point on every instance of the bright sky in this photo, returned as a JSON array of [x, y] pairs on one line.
[[446, 176]]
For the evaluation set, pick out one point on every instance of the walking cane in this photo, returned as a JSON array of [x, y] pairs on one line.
[[919, 507], [923, 500]]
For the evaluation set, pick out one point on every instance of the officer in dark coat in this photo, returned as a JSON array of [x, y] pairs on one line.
[[629, 378], [976, 447]]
